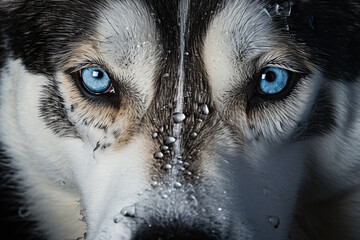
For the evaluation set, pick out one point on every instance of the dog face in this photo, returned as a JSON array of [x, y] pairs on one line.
[[164, 120]]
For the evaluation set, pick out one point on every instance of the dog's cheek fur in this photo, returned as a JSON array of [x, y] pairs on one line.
[[20, 113]]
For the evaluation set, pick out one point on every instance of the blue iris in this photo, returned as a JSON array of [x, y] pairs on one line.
[[273, 80], [95, 79]]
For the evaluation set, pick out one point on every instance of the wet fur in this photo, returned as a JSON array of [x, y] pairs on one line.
[[53, 131]]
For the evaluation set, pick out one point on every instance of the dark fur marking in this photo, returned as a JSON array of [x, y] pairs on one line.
[[53, 111], [29, 23], [334, 42], [321, 119], [97, 146]]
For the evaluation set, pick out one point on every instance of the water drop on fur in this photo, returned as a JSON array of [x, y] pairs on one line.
[[188, 173], [62, 183], [164, 148], [274, 221], [168, 140], [154, 135], [166, 166], [178, 117], [128, 211], [177, 185], [23, 212], [154, 184], [203, 109], [193, 135], [118, 217], [158, 155]]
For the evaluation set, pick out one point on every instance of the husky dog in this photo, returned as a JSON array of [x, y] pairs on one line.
[[183, 119]]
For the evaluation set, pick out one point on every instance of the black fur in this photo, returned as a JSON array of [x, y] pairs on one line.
[[334, 40]]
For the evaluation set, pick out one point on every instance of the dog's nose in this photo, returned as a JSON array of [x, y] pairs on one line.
[[174, 234]]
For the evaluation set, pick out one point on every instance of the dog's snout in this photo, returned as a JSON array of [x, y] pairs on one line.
[[160, 233]]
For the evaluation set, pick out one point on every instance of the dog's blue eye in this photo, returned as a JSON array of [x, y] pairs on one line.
[[96, 80], [273, 80]]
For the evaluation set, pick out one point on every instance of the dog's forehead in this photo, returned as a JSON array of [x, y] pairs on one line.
[[137, 37], [125, 25]]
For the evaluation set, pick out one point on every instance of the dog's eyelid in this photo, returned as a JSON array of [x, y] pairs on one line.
[[294, 64], [87, 63], [293, 68], [80, 67], [286, 67]]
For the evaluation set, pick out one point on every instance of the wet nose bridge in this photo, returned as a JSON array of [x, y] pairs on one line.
[[182, 104]]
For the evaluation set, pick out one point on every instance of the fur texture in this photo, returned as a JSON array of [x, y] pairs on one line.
[[186, 146]]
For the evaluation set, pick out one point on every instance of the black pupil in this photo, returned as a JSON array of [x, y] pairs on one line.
[[270, 76], [97, 74]]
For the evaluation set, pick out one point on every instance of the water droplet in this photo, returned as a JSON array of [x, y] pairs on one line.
[[166, 166], [158, 155], [161, 129], [193, 135], [118, 217], [128, 211], [62, 183], [179, 162], [149, 225], [186, 53], [199, 120], [165, 75], [186, 164], [219, 209], [23, 212], [154, 135], [168, 140], [164, 148], [177, 185], [178, 117], [274, 221], [188, 173], [154, 184], [203, 109], [181, 168], [164, 196]]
